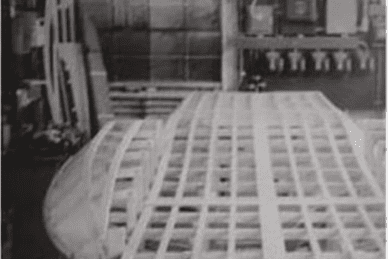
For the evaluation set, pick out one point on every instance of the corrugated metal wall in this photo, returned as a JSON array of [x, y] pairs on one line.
[[159, 40]]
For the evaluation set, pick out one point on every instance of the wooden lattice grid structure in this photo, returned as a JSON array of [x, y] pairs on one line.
[[100, 191], [262, 176], [273, 175]]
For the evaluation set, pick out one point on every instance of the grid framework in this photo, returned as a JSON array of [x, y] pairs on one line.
[[274, 175]]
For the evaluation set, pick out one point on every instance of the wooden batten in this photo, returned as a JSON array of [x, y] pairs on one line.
[[61, 47]]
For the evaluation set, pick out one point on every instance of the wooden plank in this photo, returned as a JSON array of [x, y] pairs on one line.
[[166, 84], [150, 110], [50, 59], [71, 54], [97, 71], [198, 245], [272, 245], [116, 241], [145, 95], [148, 103], [300, 190]]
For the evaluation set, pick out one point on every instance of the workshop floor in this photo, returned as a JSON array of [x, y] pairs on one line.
[[25, 183]]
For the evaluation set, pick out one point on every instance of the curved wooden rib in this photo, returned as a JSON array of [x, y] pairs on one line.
[[78, 204], [189, 104], [71, 183], [50, 58], [63, 53]]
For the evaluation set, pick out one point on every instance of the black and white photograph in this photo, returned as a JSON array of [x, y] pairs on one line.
[[193, 129]]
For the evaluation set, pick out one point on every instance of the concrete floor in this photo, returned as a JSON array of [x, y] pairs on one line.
[[25, 183]]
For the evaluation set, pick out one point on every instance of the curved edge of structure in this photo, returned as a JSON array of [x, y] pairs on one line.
[[69, 193], [78, 204], [171, 123], [49, 55]]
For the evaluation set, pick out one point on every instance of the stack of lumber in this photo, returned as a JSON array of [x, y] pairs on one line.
[[151, 99]]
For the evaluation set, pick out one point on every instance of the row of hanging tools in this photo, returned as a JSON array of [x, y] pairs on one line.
[[297, 61]]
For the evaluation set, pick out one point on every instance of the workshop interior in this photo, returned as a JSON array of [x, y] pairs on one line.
[[193, 129]]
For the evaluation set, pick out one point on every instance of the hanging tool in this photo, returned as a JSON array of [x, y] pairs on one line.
[[275, 61], [348, 65], [372, 64], [319, 59], [340, 58], [326, 64], [302, 64], [363, 58], [281, 63], [295, 57]]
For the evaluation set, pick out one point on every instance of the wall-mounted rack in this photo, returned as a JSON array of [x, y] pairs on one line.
[[301, 43]]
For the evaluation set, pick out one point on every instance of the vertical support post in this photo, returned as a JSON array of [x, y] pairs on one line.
[[62, 10], [229, 18], [380, 75], [99, 92], [51, 59], [73, 24]]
